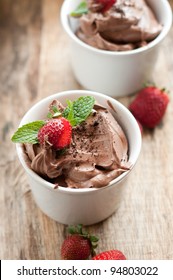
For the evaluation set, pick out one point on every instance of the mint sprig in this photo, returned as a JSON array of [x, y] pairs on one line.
[[78, 110], [28, 133], [81, 9]]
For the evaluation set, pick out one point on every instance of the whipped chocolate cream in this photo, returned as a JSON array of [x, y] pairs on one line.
[[97, 154], [127, 25]]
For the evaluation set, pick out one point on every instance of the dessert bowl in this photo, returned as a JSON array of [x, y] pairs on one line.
[[112, 72], [89, 205]]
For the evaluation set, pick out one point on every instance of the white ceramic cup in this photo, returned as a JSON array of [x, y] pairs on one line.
[[114, 73], [81, 206]]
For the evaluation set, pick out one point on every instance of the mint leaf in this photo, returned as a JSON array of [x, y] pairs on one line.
[[66, 112], [70, 115], [78, 110], [54, 109], [82, 108], [80, 10], [28, 133], [49, 115]]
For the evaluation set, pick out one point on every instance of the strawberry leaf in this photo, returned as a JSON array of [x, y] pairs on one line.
[[72, 230], [94, 238], [80, 10], [94, 246], [79, 229], [28, 133]]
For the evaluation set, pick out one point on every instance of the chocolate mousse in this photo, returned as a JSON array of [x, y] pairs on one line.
[[98, 153], [127, 25]]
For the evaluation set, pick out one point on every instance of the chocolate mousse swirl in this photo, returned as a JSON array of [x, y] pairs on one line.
[[98, 154], [127, 25]]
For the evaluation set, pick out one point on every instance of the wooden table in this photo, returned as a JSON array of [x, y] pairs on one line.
[[34, 63]]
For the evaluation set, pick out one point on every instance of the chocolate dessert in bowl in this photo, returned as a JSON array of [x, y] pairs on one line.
[[115, 43], [78, 148]]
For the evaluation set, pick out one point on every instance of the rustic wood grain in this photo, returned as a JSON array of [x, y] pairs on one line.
[[34, 57]]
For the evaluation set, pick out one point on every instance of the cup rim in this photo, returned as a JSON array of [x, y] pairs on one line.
[[158, 39], [49, 185]]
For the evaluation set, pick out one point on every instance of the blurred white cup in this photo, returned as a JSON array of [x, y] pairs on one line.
[[110, 72], [81, 206]]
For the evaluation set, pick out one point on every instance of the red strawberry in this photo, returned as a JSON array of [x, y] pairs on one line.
[[110, 255], [57, 132], [75, 247], [79, 245], [149, 106], [107, 4]]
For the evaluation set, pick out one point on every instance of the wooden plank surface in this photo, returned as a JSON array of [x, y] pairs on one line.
[[34, 63]]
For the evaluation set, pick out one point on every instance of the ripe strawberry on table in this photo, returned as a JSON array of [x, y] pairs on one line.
[[79, 245], [149, 106], [110, 255]]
